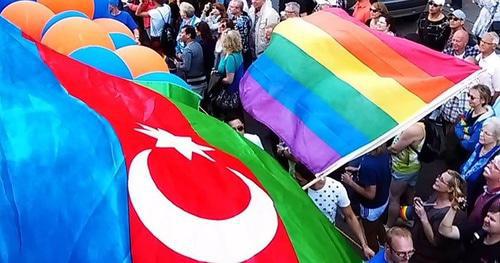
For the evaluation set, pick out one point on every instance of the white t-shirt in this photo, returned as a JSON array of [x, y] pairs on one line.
[[460, 56], [491, 77], [255, 139], [159, 16], [327, 199]]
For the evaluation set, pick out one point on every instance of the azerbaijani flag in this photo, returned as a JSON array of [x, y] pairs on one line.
[[95, 168], [333, 89]]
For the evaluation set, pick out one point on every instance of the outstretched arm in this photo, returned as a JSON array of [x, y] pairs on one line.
[[353, 223], [406, 138]]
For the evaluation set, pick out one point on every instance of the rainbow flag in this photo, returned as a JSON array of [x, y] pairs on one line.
[[332, 88], [96, 168]]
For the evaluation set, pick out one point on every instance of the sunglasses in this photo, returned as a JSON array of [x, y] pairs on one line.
[[441, 179], [374, 10], [472, 97], [454, 18], [434, 4], [238, 128]]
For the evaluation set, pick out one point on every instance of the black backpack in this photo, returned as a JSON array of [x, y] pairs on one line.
[[434, 143], [168, 37]]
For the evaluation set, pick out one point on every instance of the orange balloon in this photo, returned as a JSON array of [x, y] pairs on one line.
[[72, 33], [140, 60], [28, 16], [84, 6], [114, 26]]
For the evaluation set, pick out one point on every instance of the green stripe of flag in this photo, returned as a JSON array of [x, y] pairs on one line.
[[339, 95], [314, 238], [173, 92]]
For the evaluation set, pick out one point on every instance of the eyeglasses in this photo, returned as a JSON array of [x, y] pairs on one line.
[[434, 4], [488, 43], [487, 133], [454, 18], [374, 10], [403, 254]]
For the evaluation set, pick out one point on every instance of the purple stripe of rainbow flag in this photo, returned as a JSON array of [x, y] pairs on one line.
[[341, 89]]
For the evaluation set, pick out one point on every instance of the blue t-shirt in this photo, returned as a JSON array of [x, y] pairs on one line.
[[379, 257], [375, 170], [232, 63], [126, 19]]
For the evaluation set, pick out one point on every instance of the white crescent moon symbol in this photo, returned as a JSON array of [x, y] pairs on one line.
[[231, 240]]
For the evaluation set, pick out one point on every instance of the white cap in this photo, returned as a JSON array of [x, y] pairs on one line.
[[438, 2]]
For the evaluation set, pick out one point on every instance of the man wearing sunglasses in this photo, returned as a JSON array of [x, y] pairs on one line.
[[433, 27], [398, 248], [457, 23], [457, 20]]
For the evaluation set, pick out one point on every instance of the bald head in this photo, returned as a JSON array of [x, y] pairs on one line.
[[459, 41]]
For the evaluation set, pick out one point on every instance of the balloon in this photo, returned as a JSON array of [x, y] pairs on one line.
[[103, 59], [101, 9], [85, 6], [114, 26], [164, 77], [28, 16], [75, 32], [60, 17], [121, 40], [142, 60]]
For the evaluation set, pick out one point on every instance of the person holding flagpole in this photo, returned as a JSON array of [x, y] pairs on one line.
[[328, 194]]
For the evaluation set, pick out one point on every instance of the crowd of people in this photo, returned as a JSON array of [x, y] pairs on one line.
[[211, 43]]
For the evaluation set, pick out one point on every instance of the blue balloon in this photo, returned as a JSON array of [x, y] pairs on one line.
[[103, 59], [164, 76], [121, 40], [5, 3], [61, 16], [101, 9]]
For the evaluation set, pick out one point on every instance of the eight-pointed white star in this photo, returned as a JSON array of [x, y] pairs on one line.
[[184, 145]]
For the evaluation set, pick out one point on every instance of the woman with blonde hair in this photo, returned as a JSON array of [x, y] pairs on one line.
[[231, 68], [469, 127], [486, 149], [430, 246]]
